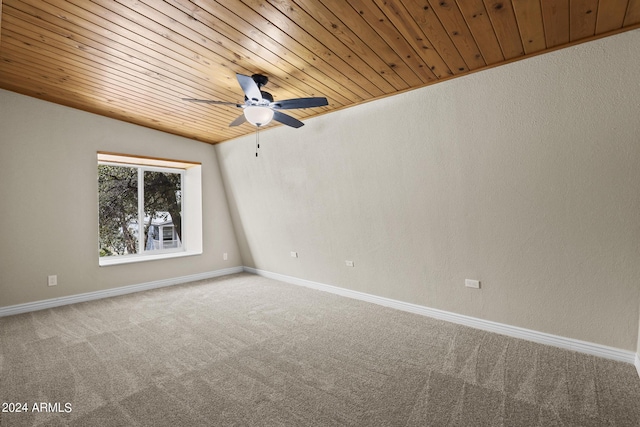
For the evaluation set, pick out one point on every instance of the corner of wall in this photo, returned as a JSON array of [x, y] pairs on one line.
[[637, 362]]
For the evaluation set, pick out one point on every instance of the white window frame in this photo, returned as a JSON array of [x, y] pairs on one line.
[[191, 194]]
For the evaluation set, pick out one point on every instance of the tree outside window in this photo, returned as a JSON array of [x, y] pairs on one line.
[[140, 209]]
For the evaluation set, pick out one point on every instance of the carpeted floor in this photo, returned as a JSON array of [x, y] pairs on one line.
[[245, 350]]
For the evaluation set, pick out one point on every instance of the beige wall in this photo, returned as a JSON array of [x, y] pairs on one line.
[[526, 177], [48, 201]]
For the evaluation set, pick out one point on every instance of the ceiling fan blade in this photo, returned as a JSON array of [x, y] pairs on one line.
[[208, 101], [287, 120], [288, 104], [249, 87], [238, 121]]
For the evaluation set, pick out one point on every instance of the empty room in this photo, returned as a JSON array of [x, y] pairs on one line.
[[320, 213]]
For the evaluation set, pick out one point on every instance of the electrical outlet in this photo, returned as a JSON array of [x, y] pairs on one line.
[[224, 256], [52, 280], [469, 283], [349, 263], [294, 254]]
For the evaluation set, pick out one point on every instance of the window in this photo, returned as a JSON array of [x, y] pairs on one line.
[[147, 209]]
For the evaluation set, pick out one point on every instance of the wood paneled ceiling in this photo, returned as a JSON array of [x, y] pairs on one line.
[[134, 59]]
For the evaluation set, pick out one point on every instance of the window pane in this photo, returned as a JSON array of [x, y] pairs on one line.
[[162, 210], [118, 210]]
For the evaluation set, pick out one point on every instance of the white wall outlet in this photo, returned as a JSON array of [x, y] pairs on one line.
[[349, 263], [224, 256], [294, 254], [469, 283], [52, 280]]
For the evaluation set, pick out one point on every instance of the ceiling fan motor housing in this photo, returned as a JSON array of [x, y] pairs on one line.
[[267, 98]]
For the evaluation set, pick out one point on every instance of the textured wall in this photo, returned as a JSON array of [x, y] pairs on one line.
[[49, 202], [525, 177]]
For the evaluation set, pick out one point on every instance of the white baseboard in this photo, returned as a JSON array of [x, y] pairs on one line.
[[512, 331], [72, 299], [486, 325]]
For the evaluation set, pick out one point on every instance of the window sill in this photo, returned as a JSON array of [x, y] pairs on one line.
[[104, 262]]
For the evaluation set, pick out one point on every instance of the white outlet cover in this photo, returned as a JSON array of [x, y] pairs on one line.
[[470, 283], [52, 280], [349, 263], [294, 254]]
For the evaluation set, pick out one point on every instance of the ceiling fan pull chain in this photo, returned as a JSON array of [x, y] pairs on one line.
[[257, 140]]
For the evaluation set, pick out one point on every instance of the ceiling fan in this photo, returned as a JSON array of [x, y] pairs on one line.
[[259, 106]]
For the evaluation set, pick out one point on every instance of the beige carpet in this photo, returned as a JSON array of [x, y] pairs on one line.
[[244, 350]]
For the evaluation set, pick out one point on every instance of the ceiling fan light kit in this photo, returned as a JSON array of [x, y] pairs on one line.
[[259, 106], [258, 115]]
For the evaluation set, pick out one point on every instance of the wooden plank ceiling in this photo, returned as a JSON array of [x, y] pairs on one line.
[[134, 59]]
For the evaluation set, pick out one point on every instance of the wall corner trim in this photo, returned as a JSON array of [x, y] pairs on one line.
[[637, 363], [89, 296], [486, 325]]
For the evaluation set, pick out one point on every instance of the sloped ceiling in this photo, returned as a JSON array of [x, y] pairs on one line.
[[135, 60]]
